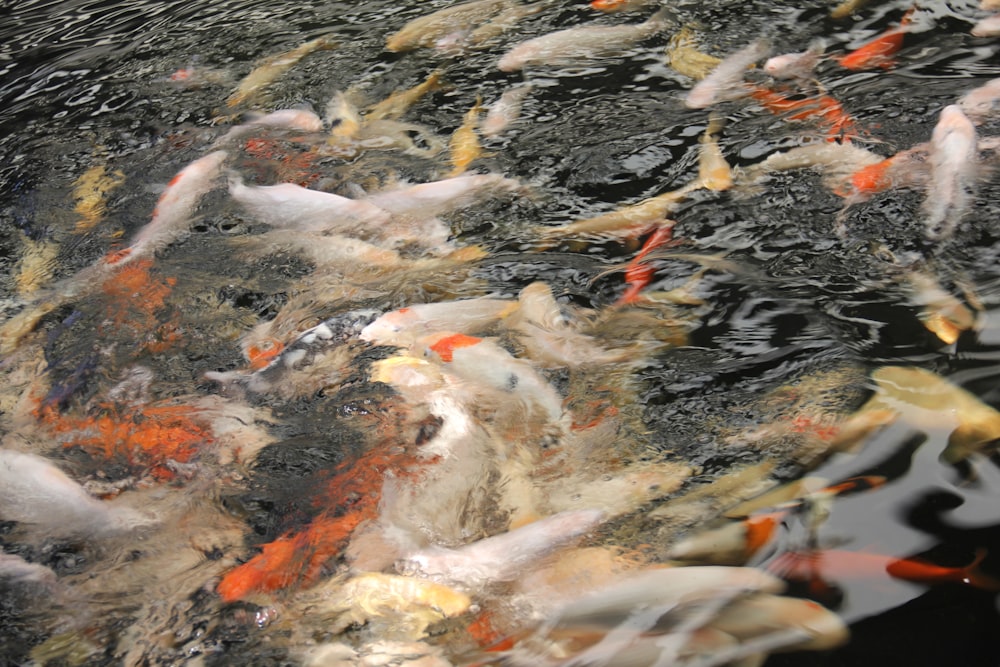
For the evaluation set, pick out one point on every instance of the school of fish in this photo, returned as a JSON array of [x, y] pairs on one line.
[[485, 490]]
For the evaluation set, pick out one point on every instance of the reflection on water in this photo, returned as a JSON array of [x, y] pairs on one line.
[[249, 469]]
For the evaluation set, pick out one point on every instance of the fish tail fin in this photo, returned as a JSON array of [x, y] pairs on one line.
[[974, 576]]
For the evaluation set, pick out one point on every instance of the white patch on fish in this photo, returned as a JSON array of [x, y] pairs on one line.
[[505, 111], [725, 82]]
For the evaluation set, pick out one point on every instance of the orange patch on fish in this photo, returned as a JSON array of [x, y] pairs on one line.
[[261, 355], [147, 437], [760, 529], [822, 109], [639, 274], [136, 306], [446, 346]]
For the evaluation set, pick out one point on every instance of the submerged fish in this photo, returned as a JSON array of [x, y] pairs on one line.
[[981, 102], [569, 46], [273, 67], [878, 52], [464, 145], [427, 30], [684, 57], [725, 82], [796, 65], [405, 326], [90, 191], [394, 106], [953, 162], [505, 111], [987, 27], [175, 208]]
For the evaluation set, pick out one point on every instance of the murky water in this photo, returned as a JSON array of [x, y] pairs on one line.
[[789, 305]]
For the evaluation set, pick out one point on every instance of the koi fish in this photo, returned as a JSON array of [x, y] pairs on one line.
[[734, 543], [436, 198], [569, 46], [796, 65], [495, 27], [291, 119], [880, 51], [821, 109], [904, 169], [36, 493], [839, 162], [481, 361], [405, 326], [796, 624], [684, 57], [505, 111], [502, 557], [464, 145], [343, 118], [846, 8], [980, 103], [273, 67], [425, 31], [290, 206], [725, 82], [953, 161], [987, 27], [394, 106], [620, 5], [90, 191], [174, 209], [846, 565], [942, 314]]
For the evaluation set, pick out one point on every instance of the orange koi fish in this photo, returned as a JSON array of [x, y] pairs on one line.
[[879, 51], [821, 109], [836, 564], [639, 274]]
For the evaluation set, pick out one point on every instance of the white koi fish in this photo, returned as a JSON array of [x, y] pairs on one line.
[[987, 27], [726, 81], [569, 46], [505, 111], [290, 206], [502, 557], [290, 119], [980, 103], [405, 326], [175, 208], [796, 65], [953, 159], [436, 198], [34, 492]]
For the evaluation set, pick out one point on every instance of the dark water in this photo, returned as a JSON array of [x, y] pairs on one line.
[[89, 83]]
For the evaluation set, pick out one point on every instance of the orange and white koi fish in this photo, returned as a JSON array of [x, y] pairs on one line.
[[469, 316], [905, 169], [846, 565], [572, 45], [734, 543], [502, 557], [839, 163], [425, 31], [880, 51], [273, 67], [482, 362], [796, 65], [620, 5], [290, 206], [505, 111], [953, 163], [987, 27], [291, 119], [725, 82], [175, 208], [795, 624], [34, 492], [982, 102]]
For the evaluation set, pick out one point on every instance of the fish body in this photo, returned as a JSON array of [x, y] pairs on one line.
[[734, 543], [505, 111], [90, 192], [343, 117], [405, 326], [427, 30], [822, 109], [880, 51], [502, 557], [987, 27], [290, 119], [444, 196], [394, 106], [569, 46], [982, 102], [290, 206], [725, 82], [464, 145], [684, 57], [620, 5], [175, 208], [953, 162], [796, 65], [265, 74]]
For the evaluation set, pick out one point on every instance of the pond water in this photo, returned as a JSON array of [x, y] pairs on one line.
[[223, 513]]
